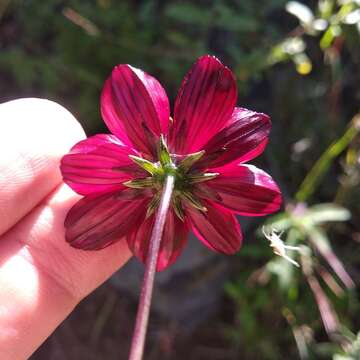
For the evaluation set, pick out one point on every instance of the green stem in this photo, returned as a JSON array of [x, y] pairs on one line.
[[313, 178], [142, 317]]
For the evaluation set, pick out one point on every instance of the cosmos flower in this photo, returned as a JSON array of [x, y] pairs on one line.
[[204, 146]]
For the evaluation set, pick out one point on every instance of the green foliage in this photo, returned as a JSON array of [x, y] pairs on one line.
[[319, 170]]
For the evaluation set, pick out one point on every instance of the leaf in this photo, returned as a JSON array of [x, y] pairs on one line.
[[189, 14], [330, 34], [326, 349], [280, 222], [321, 213], [230, 20], [283, 270], [321, 242], [317, 172]]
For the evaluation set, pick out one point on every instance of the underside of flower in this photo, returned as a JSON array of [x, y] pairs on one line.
[[158, 177], [185, 173], [204, 147]]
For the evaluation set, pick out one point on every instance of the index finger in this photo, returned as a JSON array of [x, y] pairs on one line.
[[34, 134]]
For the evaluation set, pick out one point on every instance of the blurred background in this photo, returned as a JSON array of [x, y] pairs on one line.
[[299, 62]]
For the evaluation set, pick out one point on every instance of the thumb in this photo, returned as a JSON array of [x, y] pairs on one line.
[[42, 278]]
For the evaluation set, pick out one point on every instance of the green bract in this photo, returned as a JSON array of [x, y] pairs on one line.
[[183, 168]]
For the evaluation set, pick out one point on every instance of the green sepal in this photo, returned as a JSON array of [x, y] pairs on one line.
[[145, 164], [186, 164], [154, 203], [163, 152], [201, 177], [139, 183], [194, 201], [179, 211]]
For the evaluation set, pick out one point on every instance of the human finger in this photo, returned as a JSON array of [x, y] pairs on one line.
[[42, 278], [34, 134]]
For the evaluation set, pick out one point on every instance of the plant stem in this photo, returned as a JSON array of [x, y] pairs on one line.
[[142, 317], [317, 172]]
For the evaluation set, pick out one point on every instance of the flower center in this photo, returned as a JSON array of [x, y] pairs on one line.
[[182, 167]]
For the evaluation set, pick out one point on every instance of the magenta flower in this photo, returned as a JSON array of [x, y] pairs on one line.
[[204, 147]]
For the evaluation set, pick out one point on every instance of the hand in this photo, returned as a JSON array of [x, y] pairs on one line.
[[41, 277]]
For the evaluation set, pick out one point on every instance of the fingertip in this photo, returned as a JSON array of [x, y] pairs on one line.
[[34, 135], [38, 115]]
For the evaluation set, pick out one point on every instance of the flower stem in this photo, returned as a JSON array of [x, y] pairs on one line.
[[142, 317]]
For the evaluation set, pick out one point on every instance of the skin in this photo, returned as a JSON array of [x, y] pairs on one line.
[[42, 278]]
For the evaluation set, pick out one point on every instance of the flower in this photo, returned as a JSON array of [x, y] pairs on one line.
[[204, 146]]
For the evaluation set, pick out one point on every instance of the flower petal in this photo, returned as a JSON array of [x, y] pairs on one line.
[[97, 221], [243, 139], [135, 108], [98, 164], [246, 190], [217, 228], [173, 240], [203, 106]]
